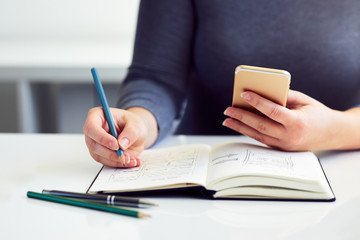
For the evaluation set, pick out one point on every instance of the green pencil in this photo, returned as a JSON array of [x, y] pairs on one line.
[[86, 204]]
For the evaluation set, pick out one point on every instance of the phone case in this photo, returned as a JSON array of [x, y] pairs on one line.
[[272, 84]]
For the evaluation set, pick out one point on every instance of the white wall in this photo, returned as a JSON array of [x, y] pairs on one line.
[[59, 20], [59, 33]]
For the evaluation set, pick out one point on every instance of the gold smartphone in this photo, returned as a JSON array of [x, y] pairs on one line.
[[272, 84]]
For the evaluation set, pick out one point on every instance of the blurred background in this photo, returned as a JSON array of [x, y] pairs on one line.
[[47, 48]]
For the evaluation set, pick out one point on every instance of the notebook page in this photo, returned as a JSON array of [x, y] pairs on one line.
[[234, 159], [160, 167]]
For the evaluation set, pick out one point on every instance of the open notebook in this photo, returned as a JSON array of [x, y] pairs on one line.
[[229, 170]]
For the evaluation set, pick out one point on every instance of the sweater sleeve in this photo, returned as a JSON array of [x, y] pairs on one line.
[[158, 75]]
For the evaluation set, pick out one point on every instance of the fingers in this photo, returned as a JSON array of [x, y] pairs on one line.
[[249, 131], [269, 128], [297, 99], [96, 128], [129, 161], [129, 135], [255, 121], [109, 157], [268, 108], [285, 128], [102, 145]]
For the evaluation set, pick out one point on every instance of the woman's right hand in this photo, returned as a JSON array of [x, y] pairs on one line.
[[137, 130]]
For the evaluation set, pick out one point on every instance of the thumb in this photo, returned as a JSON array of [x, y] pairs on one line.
[[128, 136], [296, 99]]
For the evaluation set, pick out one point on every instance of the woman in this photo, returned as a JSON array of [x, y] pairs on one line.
[[183, 67]]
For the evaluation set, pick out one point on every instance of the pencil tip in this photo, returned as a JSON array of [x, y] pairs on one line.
[[148, 204], [122, 158], [143, 215]]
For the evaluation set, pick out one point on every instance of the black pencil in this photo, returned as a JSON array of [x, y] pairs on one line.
[[102, 198]]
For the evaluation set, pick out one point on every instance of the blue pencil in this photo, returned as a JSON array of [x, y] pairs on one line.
[[105, 105]]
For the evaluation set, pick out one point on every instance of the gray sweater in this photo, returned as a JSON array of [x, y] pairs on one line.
[[186, 53]]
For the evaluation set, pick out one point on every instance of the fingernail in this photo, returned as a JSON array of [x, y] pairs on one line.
[[124, 143], [133, 162], [113, 145], [138, 162], [245, 96], [225, 123], [227, 112]]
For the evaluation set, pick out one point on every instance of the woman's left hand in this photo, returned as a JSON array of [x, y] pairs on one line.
[[305, 124]]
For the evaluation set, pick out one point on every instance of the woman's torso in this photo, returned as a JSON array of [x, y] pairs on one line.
[[316, 41]]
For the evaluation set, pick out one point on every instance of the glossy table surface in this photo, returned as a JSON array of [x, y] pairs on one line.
[[54, 161]]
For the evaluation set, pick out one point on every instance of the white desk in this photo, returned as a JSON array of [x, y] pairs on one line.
[[36, 162]]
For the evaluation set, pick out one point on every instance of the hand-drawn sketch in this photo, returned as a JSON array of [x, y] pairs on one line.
[[274, 160], [225, 158], [160, 166]]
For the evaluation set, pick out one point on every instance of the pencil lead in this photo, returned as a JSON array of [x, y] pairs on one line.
[[122, 158]]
